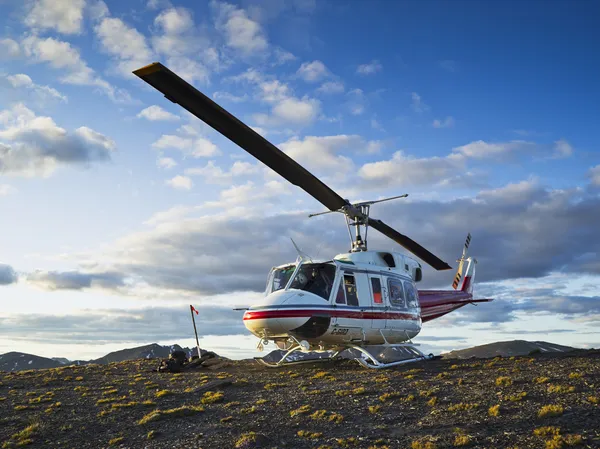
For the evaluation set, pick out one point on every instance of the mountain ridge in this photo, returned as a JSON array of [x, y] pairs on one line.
[[19, 361], [507, 348]]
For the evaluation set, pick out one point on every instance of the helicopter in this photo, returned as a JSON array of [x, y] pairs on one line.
[[364, 302]]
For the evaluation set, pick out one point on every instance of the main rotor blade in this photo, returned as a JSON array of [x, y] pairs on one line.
[[410, 245], [181, 92]]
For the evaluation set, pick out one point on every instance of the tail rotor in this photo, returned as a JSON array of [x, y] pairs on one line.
[[461, 261]]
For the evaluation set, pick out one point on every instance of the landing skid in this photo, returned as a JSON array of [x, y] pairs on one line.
[[366, 358], [284, 362], [410, 352]]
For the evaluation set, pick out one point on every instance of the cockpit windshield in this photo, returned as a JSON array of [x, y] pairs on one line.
[[315, 278], [280, 278]]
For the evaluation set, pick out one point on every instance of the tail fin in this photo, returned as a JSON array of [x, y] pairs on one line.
[[469, 277]]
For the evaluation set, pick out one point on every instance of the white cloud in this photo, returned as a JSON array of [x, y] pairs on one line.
[[166, 162], [226, 96], [417, 103], [180, 182], [155, 113], [175, 20], [281, 56], [325, 153], [6, 189], [123, 42], [33, 145], [175, 213], [64, 16], [204, 148], [562, 149], [297, 111], [158, 4], [188, 49], [285, 107], [240, 196], [511, 193], [594, 175], [9, 49], [404, 170], [331, 87], [22, 80], [374, 147], [376, 125], [357, 101], [263, 132], [60, 55], [448, 122], [213, 174], [98, 10], [189, 69], [274, 91], [193, 146], [74, 280], [313, 72], [176, 26], [241, 33], [167, 141], [483, 150], [251, 75], [370, 68]]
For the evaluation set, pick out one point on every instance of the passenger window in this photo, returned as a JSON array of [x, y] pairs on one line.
[[411, 295], [376, 285], [396, 293], [350, 289]]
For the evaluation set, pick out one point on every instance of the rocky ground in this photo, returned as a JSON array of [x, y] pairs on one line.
[[540, 401]]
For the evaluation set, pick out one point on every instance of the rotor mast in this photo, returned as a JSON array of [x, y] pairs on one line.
[[357, 216]]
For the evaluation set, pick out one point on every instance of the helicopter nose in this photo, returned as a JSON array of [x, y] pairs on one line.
[[276, 315]]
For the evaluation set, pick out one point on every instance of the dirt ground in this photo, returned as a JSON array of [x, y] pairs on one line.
[[539, 401]]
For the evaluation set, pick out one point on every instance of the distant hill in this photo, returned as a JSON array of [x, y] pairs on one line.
[[507, 349], [61, 360], [152, 351], [18, 361]]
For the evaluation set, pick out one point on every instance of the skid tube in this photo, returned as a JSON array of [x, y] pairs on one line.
[[415, 356], [283, 362], [372, 363]]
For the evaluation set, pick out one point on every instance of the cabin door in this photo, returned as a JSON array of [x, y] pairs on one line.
[[348, 320], [378, 301]]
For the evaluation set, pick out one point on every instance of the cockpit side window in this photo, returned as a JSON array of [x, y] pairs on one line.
[[350, 289], [396, 293], [340, 298]]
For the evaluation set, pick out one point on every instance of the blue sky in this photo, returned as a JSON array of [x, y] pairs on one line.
[[123, 208]]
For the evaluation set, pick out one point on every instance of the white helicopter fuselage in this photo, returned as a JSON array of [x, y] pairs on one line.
[[358, 298]]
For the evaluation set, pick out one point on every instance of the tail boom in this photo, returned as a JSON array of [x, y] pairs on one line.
[[437, 303]]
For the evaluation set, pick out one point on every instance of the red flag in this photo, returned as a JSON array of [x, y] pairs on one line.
[[193, 310]]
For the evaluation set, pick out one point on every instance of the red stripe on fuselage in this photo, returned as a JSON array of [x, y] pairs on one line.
[[307, 313]]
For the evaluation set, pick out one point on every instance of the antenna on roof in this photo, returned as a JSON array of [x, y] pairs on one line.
[[301, 254]]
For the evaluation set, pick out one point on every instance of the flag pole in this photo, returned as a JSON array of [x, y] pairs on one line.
[[195, 331]]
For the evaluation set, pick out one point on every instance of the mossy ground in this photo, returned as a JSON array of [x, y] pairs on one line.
[[439, 404]]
